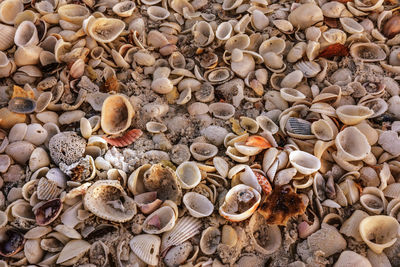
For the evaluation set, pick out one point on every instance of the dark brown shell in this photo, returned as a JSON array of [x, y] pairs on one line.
[[48, 211], [392, 27], [12, 242], [22, 105]]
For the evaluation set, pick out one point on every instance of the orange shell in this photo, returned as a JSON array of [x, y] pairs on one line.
[[258, 141], [125, 140]]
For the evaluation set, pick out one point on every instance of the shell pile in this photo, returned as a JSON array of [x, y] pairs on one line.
[[199, 133]]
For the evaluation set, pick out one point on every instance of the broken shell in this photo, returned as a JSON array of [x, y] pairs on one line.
[[379, 232], [203, 151], [304, 162], [352, 114], [117, 113], [198, 205], [350, 257], [48, 211], [103, 199], [161, 220], [72, 252], [240, 203], [146, 247], [210, 239], [188, 175], [352, 144], [147, 202], [367, 52], [203, 33], [105, 30]]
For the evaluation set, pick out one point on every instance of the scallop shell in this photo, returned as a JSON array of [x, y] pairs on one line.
[[188, 175], [236, 197], [185, 228], [367, 52], [379, 232], [161, 220], [359, 147], [198, 205], [103, 198], [117, 113], [7, 36], [146, 247], [105, 30]]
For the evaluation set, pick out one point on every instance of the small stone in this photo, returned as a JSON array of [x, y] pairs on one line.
[[390, 142], [14, 174]]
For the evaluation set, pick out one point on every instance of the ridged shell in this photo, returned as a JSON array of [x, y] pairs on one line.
[[146, 247], [47, 189], [7, 34]]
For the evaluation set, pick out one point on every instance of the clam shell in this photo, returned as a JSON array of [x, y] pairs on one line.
[[157, 13], [185, 228], [203, 34], [222, 110], [103, 199], [198, 205], [352, 114], [373, 200], [379, 232], [72, 252], [124, 8], [135, 180], [210, 239], [105, 30], [22, 105], [161, 220], [203, 151], [9, 10], [224, 31], [188, 175], [305, 15], [38, 159], [218, 75], [116, 120], [20, 151], [73, 13], [304, 162], [12, 241], [146, 247], [236, 196], [359, 147], [367, 52]]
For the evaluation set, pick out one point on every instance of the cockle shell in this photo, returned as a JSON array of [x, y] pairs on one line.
[[117, 113], [379, 232], [188, 175], [198, 205], [103, 198], [304, 162], [161, 220], [240, 203], [7, 36], [9, 10], [146, 247], [352, 144], [105, 30]]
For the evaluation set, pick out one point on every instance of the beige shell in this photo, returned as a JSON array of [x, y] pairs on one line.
[[203, 151], [367, 52], [198, 205], [210, 239], [368, 5], [146, 247], [305, 15], [73, 13], [105, 30], [222, 110], [161, 220], [231, 4], [240, 41], [7, 36], [352, 114], [379, 232], [103, 198], [359, 147], [274, 44], [373, 200], [157, 13], [162, 86], [9, 10], [224, 31], [72, 252], [124, 9], [203, 34], [351, 26], [269, 239], [237, 195], [117, 113], [296, 52], [304, 162], [188, 175], [26, 35]]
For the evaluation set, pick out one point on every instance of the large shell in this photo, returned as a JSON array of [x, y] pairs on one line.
[[198, 205], [306, 15], [160, 221], [104, 199], [240, 203], [105, 30], [146, 247], [116, 114], [9, 10], [379, 232], [367, 52], [352, 144]]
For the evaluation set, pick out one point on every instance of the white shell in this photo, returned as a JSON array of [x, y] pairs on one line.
[[198, 205], [304, 162], [146, 247], [166, 217], [188, 175]]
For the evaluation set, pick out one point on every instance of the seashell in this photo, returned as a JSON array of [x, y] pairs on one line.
[[156, 127], [188, 174], [12, 242], [178, 254], [17, 132], [116, 120], [351, 26], [20, 151], [9, 10], [103, 199], [367, 52], [124, 9], [373, 200], [309, 69], [125, 140], [205, 93], [291, 95], [379, 232], [26, 35], [368, 6], [224, 31], [7, 37], [198, 205], [218, 75], [240, 203], [185, 228], [359, 147], [162, 86], [391, 29], [296, 52], [351, 226], [350, 257], [161, 220], [37, 232], [305, 15], [47, 212], [203, 151], [203, 33], [146, 247], [135, 180], [72, 252], [38, 159], [333, 9], [274, 44], [269, 239], [157, 13], [73, 13], [105, 30], [244, 66], [222, 110], [304, 162], [210, 239], [352, 114], [147, 202], [240, 41], [22, 105]]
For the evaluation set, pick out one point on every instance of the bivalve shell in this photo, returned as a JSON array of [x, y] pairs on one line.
[[198, 205], [146, 247]]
